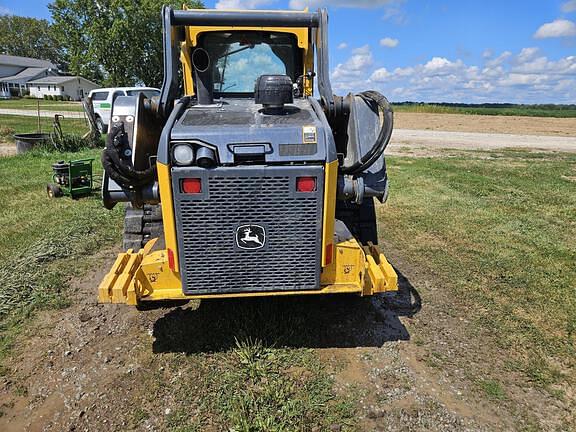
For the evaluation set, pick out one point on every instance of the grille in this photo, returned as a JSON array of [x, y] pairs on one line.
[[210, 259]]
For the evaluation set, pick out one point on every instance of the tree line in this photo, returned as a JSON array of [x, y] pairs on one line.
[[110, 42]]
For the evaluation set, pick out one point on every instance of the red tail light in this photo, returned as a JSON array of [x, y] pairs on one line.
[[192, 186], [306, 184], [171, 262], [328, 253]]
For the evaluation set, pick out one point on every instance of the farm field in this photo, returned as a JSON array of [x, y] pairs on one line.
[[517, 125], [559, 111], [485, 237]]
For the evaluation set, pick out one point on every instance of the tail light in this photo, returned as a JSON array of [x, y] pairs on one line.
[[306, 184], [191, 186], [328, 250], [171, 261]]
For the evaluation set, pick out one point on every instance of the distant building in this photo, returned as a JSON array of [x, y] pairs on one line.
[[73, 87], [16, 72]]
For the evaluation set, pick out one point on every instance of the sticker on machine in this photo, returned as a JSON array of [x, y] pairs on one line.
[[250, 237], [309, 135]]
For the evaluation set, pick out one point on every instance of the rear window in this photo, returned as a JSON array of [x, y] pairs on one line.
[[147, 93], [99, 96]]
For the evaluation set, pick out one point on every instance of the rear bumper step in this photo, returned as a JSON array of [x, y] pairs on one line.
[[145, 276]]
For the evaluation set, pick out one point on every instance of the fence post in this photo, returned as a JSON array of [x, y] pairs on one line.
[[38, 112]]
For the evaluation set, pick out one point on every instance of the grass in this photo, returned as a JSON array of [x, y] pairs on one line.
[[492, 389], [513, 110], [44, 242], [249, 387], [497, 231], [45, 105], [10, 125]]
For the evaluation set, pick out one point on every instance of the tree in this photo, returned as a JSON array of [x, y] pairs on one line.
[[116, 42], [30, 37]]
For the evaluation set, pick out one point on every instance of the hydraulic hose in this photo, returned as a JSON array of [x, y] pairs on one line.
[[117, 162], [377, 102]]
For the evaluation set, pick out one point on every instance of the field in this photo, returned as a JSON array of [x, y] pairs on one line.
[[560, 111], [485, 237]]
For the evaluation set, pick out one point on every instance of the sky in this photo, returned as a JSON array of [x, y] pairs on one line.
[[469, 51]]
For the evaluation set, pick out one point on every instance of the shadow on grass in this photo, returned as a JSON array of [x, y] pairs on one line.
[[330, 321]]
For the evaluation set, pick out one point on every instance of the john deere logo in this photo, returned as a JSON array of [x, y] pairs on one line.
[[250, 237]]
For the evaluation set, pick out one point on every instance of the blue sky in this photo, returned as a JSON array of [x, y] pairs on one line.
[[442, 50]]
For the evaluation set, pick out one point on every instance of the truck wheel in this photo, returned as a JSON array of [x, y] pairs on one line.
[[101, 126], [141, 225]]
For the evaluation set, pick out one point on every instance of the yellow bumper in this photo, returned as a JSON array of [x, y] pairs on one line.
[[145, 276]]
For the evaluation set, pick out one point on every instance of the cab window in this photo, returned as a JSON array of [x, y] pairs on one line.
[[239, 58]]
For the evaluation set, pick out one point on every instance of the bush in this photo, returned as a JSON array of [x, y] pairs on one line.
[[6, 131], [45, 97]]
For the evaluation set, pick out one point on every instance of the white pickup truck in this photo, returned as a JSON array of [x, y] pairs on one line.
[[103, 99]]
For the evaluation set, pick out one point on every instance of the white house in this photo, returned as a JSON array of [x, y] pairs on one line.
[[74, 87], [16, 72]]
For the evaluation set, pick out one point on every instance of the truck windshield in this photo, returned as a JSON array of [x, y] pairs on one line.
[[239, 58]]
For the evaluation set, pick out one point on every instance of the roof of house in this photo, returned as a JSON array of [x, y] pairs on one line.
[[25, 62], [24, 75], [55, 80]]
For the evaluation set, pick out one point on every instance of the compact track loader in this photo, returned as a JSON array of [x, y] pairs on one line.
[[250, 184]]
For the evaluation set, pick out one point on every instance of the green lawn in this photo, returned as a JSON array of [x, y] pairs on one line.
[[42, 241], [45, 105], [10, 125], [530, 110], [497, 231]]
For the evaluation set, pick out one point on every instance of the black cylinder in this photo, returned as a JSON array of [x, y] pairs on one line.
[[205, 157], [203, 77]]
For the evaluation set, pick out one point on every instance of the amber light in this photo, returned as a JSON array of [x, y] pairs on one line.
[[306, 184], [192, 186]]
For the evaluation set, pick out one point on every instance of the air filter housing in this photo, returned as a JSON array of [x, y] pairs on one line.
[[273, 91]]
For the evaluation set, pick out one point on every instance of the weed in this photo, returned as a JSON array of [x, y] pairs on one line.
[[492, 389]]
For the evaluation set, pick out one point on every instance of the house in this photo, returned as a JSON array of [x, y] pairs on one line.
[[70, 87], [16, 72]]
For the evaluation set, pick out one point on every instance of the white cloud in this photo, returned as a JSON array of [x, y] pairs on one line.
[[380, 75], [557, 28], [354, 71], [5, 11], [342, 45], [389, 42], [365, 4], [569, 6], [527, 54], [527, 76], [242, 4]]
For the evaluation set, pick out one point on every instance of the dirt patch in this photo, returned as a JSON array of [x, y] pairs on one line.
[[7, 149], [517, 125], [420, 143]]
